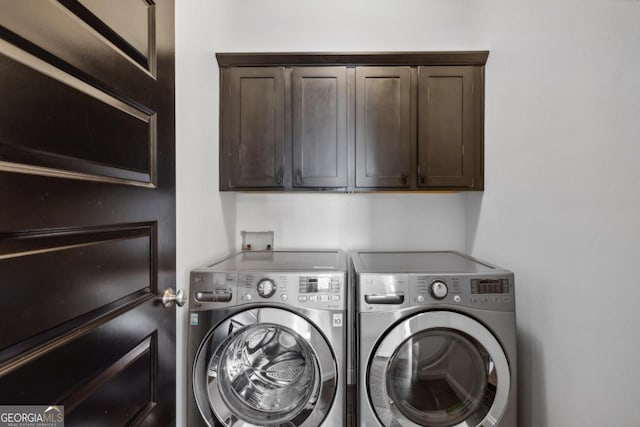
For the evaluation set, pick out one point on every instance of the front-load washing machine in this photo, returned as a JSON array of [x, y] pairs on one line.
[[267, 340], [436, 341]]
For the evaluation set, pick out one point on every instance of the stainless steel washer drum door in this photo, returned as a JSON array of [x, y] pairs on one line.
[[265, 367], [439, 369]]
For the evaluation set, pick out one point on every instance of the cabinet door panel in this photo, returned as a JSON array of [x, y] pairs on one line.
[[445, 132], [253, 137], [319, 127], [383, 126]]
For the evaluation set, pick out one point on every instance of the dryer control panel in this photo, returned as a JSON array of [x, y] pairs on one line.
[[385, 292], [487, 292]]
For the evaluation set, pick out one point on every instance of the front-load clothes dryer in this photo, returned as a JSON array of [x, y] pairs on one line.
[[267, 341], [436, 341]]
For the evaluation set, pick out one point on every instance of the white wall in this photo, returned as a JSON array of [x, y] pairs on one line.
[[205, 217], [356, 221], [562, 200]]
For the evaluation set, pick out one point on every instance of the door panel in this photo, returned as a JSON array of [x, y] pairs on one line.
[[445, 133], [95, 383], [87, 229], [117, 263], [319, 126], [95, 134], [383, 126], [77, 44], [130, 382], [129, 25], [253, 140]]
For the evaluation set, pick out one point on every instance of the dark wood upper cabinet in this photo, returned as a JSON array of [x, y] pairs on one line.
[[447, 135], [352, 121], [319, 111], [383, 126], [253, 128]]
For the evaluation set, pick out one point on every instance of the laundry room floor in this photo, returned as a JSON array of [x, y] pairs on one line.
[[350, 403]]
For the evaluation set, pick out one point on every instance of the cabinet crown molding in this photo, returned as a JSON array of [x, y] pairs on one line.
[[252, 59]]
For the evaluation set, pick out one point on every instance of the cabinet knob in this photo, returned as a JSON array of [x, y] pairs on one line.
[[298, 179], [422, 179], [279, 177]]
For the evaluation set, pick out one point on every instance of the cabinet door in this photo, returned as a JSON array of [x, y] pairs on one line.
[[253, 126], [319, 126], [446, 140], [383, 126]]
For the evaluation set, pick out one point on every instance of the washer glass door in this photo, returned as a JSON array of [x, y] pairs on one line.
[[265, 371], [265, 367], [439, 369]]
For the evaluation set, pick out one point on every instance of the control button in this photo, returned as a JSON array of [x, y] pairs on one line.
[[495, 299], [335, 297], [247, 297], [302, 298], [506, 299], [324, 297], [313, 297], [420, 298], [266, 288], [474, 300], [456, 298], [284, 297], [485, 299], [439, 289]]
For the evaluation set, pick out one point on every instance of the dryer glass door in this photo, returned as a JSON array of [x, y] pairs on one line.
[[265, 367], [439, 369], [439, 377]]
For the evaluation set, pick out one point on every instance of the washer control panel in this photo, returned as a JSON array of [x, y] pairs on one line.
[[313, 290], [310, 290]]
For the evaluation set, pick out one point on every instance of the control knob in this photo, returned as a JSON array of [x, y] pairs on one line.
[[439, 289], [266, 288]]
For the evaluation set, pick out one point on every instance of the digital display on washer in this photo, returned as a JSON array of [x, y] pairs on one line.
[[489, 286], [310, 285]]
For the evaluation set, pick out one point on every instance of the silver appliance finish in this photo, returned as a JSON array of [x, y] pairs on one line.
[[267, 340], [439, 318]]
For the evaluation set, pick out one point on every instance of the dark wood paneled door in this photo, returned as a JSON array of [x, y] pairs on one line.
[[87, 208], [446, 137], [253, 136], [383, 127], [319, 126]]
